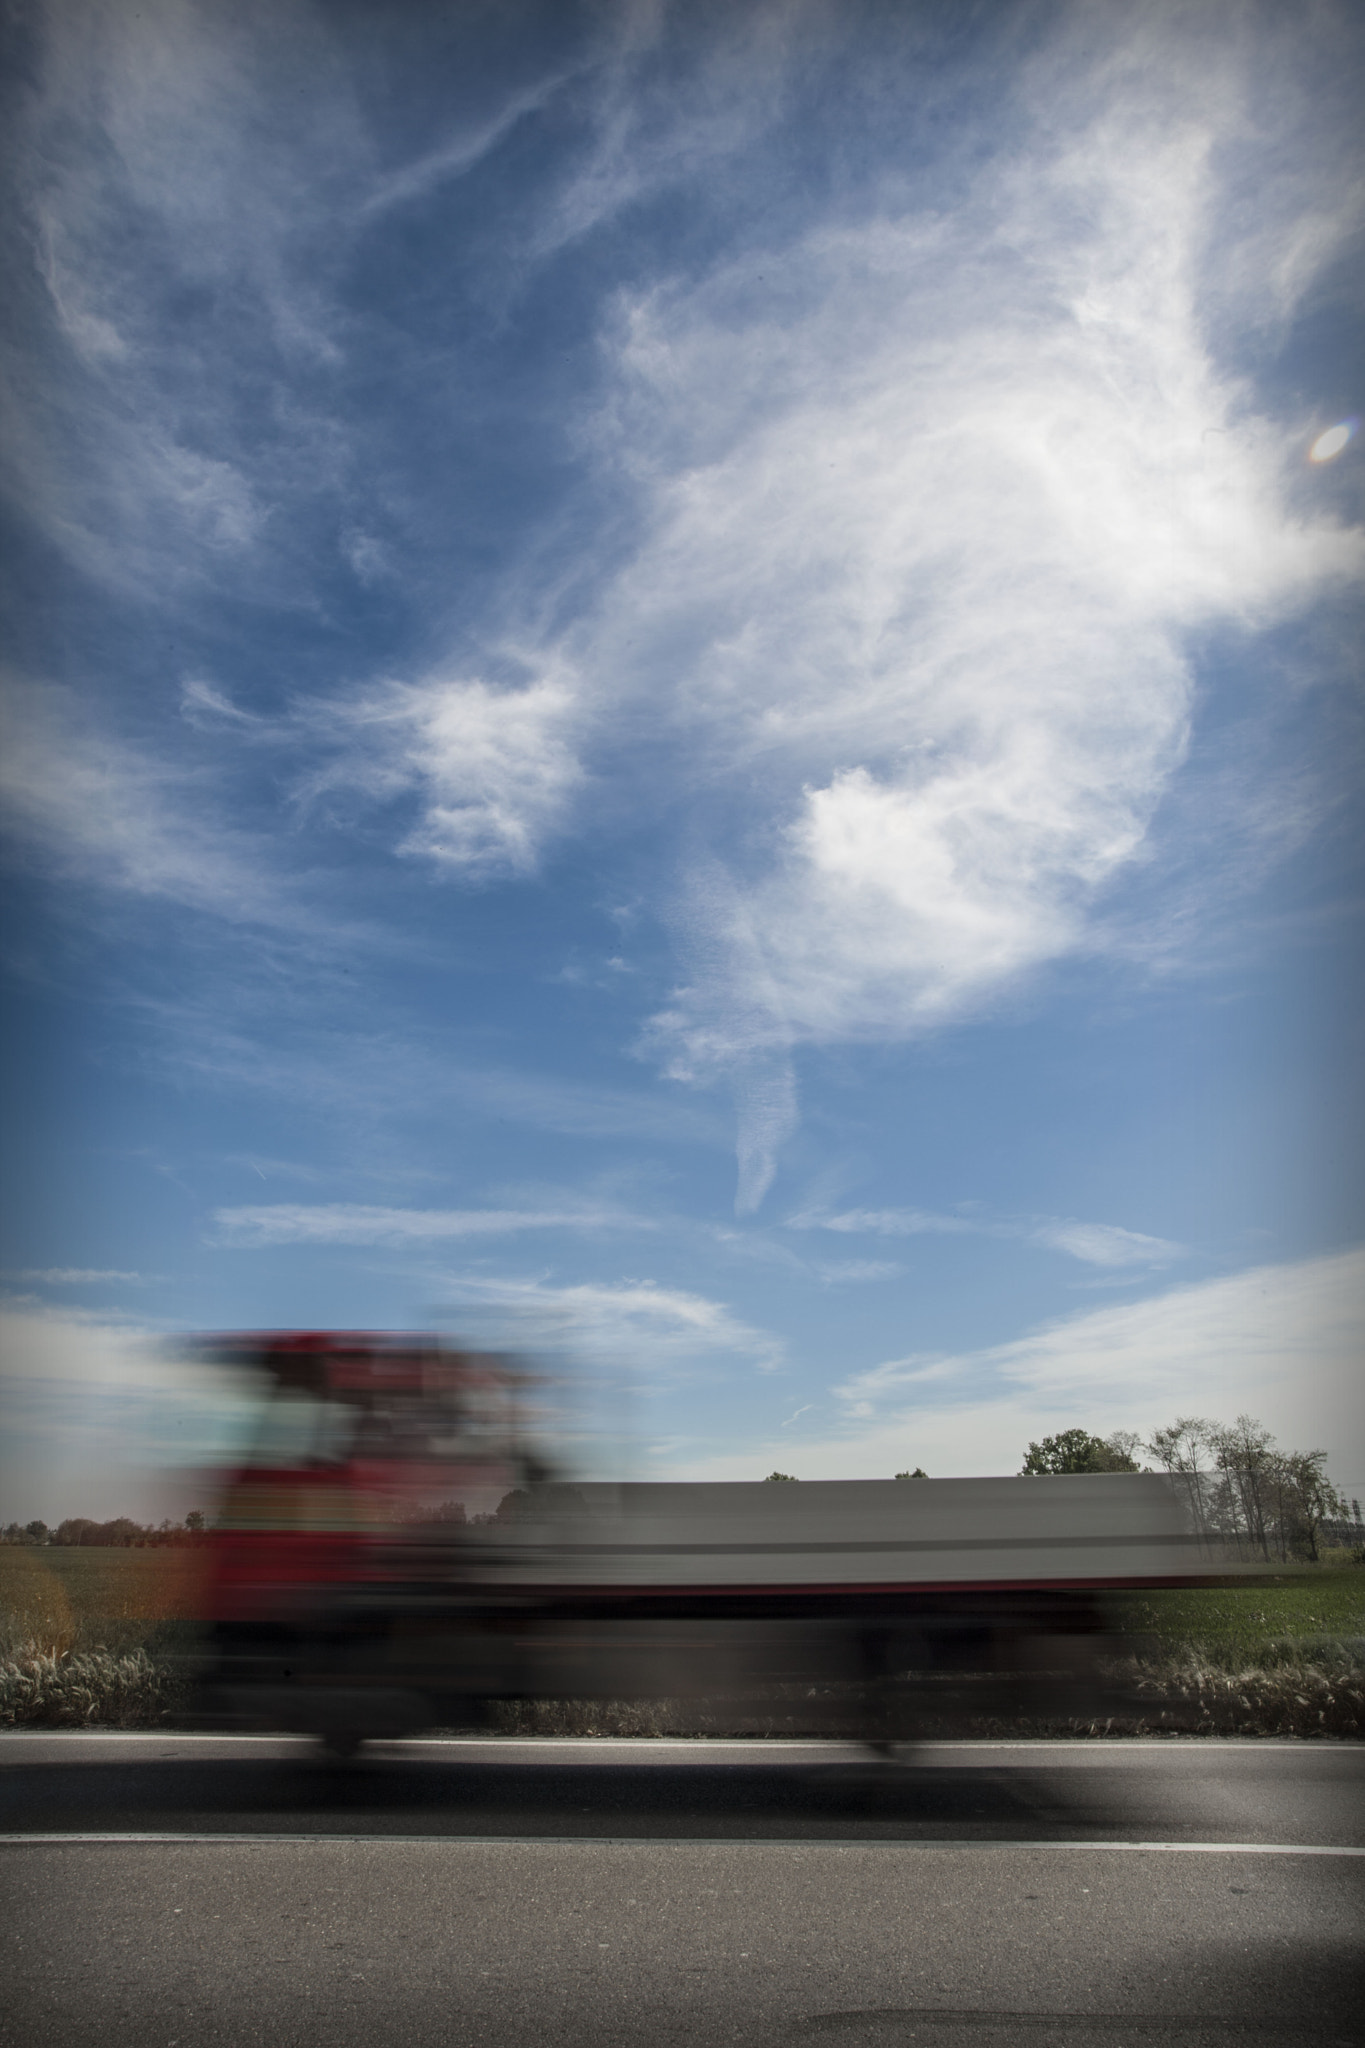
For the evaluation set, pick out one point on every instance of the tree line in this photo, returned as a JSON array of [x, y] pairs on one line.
[[1242, 1491], [80, 1532]]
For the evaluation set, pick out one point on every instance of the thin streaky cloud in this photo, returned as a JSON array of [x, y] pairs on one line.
[[110, 815], [1281, 1342], [77, 1276], [851, 1271], [356, 1223], [1104, 1244], [1098, 1244], [1263, 1322], [451, 160], [840, 488], [645, 1320]]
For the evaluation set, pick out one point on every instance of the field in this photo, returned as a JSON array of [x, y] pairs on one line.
[[67, 1601], [1235, 1625], [109, 1637]]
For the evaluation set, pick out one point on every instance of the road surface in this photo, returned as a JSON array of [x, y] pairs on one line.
[[177, 1891]]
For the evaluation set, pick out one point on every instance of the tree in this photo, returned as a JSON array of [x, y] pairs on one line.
[[1179, 1450], [1245, 1456], [918, 1473], [1244, 1491], [36, 1532], [194, 1521], [446, 1514], [1075, 1450], [790, 1477], [1308, 1499]]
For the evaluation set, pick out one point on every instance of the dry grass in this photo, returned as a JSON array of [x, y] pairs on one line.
[[97, 1638], [1189, 1695], [1321, 1692], [96, 1688], [586, 1717]]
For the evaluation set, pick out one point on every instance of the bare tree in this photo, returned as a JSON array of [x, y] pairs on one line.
[[1180, 1452], [1309, 1499], [1245, 1455], [1243, 1491]]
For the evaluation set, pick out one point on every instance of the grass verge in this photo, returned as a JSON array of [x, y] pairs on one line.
[[1318, 1695], [107, 1638]]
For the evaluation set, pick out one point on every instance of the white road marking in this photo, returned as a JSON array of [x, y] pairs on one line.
[[240, 1841]]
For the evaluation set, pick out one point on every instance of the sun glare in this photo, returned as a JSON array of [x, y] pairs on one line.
[[1333, 441]]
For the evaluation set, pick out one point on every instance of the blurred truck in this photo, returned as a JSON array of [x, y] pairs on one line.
[[396, 1552]]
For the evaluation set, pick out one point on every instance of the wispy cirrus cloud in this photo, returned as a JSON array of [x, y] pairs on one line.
[[1282, 1342], [932, 504], [933, 507], [1104, 1244], [274, 1223], [903, 513], [1208, 1344], [843, 1271], [76, 1276], [1098, 1244], [102, 810], [458, 153], [638, 1320], [495, 769]]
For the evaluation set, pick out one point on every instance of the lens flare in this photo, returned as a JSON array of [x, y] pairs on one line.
[[1332, 442]]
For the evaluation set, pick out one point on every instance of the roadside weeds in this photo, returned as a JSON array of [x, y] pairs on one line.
[[1320, 1693]]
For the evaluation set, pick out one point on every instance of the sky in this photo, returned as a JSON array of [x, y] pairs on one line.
[[681, 690]]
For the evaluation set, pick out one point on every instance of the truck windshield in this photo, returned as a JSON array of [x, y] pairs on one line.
[[299, 1428]]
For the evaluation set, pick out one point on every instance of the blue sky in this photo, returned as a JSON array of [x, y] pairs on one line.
[[681, 688]]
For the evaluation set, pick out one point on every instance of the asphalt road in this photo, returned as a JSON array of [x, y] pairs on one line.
[[177, 1891]]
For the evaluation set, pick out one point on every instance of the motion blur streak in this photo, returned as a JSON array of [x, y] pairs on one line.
[[397, 1553]]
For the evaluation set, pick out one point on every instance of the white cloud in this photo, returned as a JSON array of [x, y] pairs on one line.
[[202, 704], [154, 173], [107, 812], [1280, 1342], [275, 1223], [1104, 1244], [74, 1276], [582, 1111], [932, 504], [660, 124], [925, 498], [100, 1418], [635, 1319], [841, 1270], [883, 1222], [451, 159], [495, 768], [1098, 1244]]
